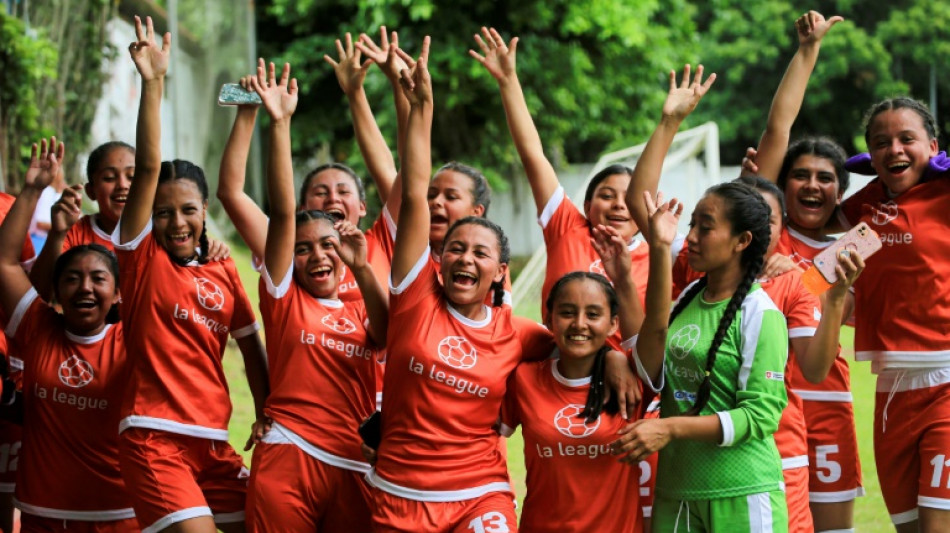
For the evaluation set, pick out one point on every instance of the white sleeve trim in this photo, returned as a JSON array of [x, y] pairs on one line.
[[390, 223], [678, 243], [247, 330], [277, 290], [20, 311], [135, 242], [631, 345], [553, 203], [411, 276], [728, 430], [795, 333]]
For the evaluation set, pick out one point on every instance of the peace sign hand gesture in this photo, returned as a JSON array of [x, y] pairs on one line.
[[498, 58], [150, 60], [682, 99]]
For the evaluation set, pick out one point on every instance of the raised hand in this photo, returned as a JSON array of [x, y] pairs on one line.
[[351, 247], [812, 27], [279, 97], [613, 252], [383, 54], [44, 163], [664, 218], [150, 59], [497, 57], [415, 80], [682, 99], [749, 167], [849, 267], [67, 210], [350, 70]]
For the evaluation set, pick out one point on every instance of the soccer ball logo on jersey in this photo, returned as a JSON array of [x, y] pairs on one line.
[[457, 352], [567, 422], [884, 213], [340, 325], [75, 372], [597, 267], [684, 340], [210, 296]]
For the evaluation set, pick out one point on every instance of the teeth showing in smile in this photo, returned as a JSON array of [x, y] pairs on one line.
[[579, 338], [811, 202], [464, 278], [897, 167], [120, 198], [336, 214], [84, 304], [180, 237], [320, 271]]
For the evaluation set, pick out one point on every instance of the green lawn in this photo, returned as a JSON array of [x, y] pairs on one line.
[[870, 513]]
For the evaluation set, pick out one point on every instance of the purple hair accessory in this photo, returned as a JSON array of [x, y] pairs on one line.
[[938, 164], [860, 164]]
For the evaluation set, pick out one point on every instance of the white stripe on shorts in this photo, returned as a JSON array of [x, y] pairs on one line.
[[905, 517], [760, 512]]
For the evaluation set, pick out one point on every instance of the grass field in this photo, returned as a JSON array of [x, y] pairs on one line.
[[870, 513]]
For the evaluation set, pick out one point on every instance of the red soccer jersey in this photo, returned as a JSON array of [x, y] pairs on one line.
[[445, 380], [567, 239], [86, 231], [178, 319], [322, 369], [901, 298], [567, 459], [802, 314], [73, 387], [28, 254], [683, 274], [837, 386]]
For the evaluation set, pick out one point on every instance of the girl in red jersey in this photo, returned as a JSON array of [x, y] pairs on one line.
[[176, 461], [567, 231], [567, 429], [75, 373], [308, 468]]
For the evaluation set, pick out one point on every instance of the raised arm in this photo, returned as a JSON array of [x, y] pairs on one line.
[[351, 247], [680, 102], [65, 213], [787, 102], [14, 283], [499, 60], [280, 100], [615, 258], [350, 72], [248, 218], [152, 62], [651, 343], [412, 234]]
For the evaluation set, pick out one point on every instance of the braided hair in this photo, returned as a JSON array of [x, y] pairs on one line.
[[504, 250], [180, 169], [595, 394], [893, 104], [746, 210]]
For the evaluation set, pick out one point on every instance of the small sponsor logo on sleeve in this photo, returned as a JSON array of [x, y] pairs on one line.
[[777, 376]]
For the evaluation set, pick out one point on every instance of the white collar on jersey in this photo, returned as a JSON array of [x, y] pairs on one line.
[[633, 244], [567, 382], [468, 321], [331, 303], [82, 339]]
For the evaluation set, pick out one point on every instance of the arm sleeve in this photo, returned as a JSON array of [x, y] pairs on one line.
[[760, 390]]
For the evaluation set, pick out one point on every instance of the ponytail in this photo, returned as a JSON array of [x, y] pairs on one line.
[[203, 244], [595, 393]]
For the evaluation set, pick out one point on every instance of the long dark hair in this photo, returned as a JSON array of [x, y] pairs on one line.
[[746, 210], [504, 249], [76, 252], [595, 394], [822, 147], [180, 169], [481, 191]]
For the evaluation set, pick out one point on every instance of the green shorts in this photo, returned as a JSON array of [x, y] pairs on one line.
[[764, 512]]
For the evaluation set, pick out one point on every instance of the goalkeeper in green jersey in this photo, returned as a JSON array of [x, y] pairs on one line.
[[717, 361]]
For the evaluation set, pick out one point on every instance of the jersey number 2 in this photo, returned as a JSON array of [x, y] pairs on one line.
[[491, 522]]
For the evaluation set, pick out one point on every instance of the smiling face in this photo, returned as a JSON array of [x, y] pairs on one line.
[[710, 243], [109, 184], [178, 217], [608, 206], [470, 264], [317, 267], [580, 319], [451, 197], [811, 192], [86, 290], [334, 192], [900, 148]]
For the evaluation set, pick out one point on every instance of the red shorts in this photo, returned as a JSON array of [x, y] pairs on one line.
[[9, 451], [175, 477], [912, 445], [30, 523], [292, 491], [796, 496], [833, 464], [493, 512], [648, 474]]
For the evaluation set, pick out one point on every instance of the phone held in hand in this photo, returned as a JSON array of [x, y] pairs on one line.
[[821, 275], [234, 94], [371, 430]]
